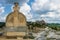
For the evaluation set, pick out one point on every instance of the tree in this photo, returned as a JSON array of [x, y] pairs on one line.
[[42, 23], [2, 24]]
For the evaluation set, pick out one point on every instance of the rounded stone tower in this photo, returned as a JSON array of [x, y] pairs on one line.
[[15, 18], [16, 22]]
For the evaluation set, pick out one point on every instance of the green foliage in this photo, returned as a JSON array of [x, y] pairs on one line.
[[54, 26], [36, 24], [31, 37], [2, 24], [25, 37]]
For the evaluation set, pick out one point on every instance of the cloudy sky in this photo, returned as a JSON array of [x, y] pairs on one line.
[[48, 10]]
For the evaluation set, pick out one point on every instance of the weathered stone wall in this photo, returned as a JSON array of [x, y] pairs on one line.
[[15, 20]]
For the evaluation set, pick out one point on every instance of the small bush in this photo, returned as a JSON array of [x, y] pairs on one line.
[[31, 37], [25, 37]]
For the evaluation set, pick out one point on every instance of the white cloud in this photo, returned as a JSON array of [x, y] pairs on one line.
[[2, 19], [49, 14], [51, 17], [1, 10], [52, 7], [25, 9], [38, 4]]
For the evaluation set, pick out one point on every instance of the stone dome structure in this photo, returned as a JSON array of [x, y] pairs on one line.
[[16, 23], [15, 18]]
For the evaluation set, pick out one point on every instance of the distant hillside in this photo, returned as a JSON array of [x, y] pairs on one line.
[[53, 24], [2, 24]]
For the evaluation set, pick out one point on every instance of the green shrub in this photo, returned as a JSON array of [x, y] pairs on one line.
[[31, 37]]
